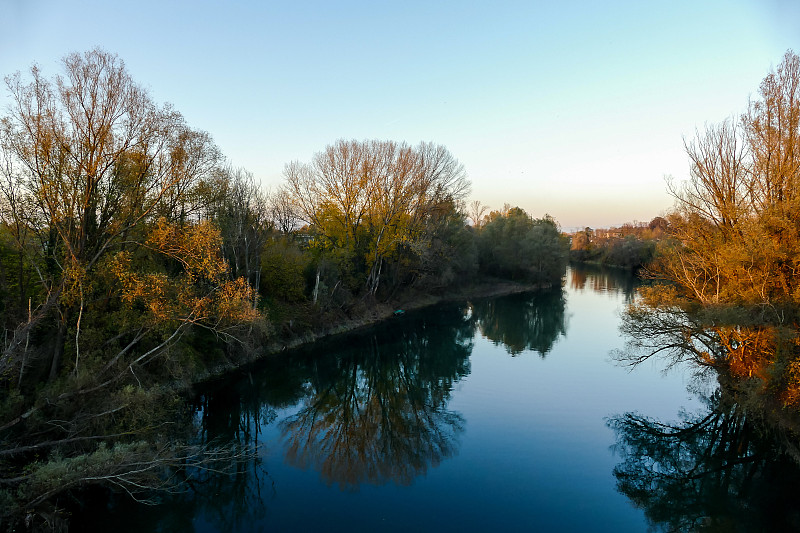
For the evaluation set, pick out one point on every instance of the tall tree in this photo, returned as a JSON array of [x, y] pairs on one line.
[[91, 159], [369, 199], [106, 196], [734, 298], [738, 216]]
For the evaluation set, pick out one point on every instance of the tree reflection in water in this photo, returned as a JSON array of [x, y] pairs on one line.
[[715, 471], [378, 412], [530, 321], [733, 468], [367, 408], [600, 279], [231, 499]]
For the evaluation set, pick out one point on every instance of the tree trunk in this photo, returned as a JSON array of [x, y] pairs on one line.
[[58, 351], [257, 285], [316, 288], [21, 259]]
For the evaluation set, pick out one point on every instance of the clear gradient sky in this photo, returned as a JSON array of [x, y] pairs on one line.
[[576, 108]]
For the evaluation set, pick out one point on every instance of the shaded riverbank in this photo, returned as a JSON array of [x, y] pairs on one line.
[[367, 314]]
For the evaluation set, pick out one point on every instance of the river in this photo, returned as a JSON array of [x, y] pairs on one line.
[[498, 414]]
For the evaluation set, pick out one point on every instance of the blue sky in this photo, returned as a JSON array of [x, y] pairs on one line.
[[576, 109]]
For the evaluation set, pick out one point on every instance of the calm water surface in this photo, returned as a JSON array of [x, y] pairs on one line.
[[474, 416]]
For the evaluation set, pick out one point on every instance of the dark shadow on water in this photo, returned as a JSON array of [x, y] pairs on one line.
[[520, 322], [368, 408], [712, 471]]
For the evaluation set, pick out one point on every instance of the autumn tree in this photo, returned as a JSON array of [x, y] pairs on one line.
[[734, 253], [371, 202], [90, 161], [106, 197], [737, 215]]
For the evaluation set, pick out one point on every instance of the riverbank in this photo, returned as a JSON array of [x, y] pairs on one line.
[[167, 398], [367, 314], [597, 263]]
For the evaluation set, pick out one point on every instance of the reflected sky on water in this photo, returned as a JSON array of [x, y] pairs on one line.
[[472, 416]]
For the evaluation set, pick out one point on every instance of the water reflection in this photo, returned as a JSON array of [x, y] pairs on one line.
[[371, 408], [713, 471], [234, 497], [378, 413], [531, 321], [604, 280]]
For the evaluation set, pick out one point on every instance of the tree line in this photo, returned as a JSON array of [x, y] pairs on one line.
[[133, 257], [631, 246]]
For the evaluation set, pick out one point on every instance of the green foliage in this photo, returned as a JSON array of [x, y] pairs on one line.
[[547, 249], [18, 279], [377, 207], [283, 267], [449, 258], [516, 246]]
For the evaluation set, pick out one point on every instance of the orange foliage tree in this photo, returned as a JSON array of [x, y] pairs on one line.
[[107, 197], [94, 168], [734, 251]]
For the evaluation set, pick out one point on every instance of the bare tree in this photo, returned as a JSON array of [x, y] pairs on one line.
[[772, 127], [477, 210], [90, 157], [735, 216], [718, 188], [283, 212], [375, 194]]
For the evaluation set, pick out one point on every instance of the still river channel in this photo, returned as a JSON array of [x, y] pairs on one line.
[[487, 415]]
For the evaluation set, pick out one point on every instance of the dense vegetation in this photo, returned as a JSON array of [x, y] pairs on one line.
[[630, 246], [512, 244], [733, 299], [134, 260]]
